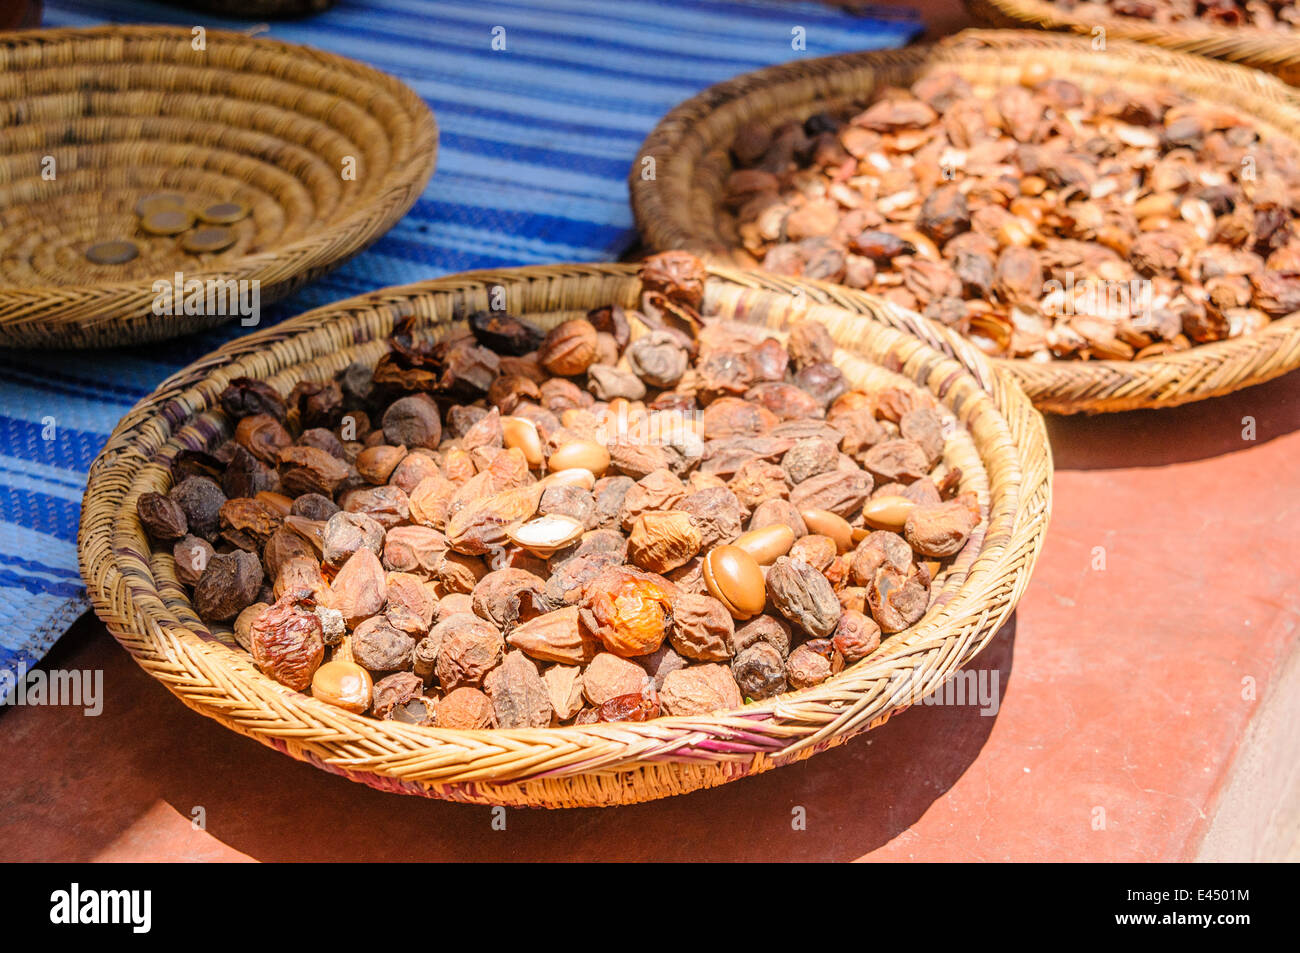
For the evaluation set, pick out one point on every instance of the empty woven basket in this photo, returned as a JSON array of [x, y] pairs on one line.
[[325, 152], [1001, 449]]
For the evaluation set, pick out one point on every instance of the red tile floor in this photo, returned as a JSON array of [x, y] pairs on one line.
[[1126, 729]]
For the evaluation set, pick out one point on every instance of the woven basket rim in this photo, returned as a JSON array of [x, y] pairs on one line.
[[1090, 386], [1255, 45], [987, 594], [408, 174]]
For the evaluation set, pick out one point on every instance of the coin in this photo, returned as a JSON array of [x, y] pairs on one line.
[[158, 202], [208, 240], [115, 252], [223, 213], [168, 221]]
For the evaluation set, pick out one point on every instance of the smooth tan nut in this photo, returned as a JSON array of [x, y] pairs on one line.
[[521, 433], [580, 454], [546, 534], [887, 512], [573, 476], [734, 578], [766, 544], [345, 685], [826, 523]]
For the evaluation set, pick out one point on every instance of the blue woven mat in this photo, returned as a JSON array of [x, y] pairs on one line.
[[536, 142]]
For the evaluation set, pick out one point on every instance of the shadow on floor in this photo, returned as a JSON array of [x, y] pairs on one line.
[[77, 785], [1197, 431]]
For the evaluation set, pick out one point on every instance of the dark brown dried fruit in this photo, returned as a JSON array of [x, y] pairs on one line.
[[657, 358], [702, 628], [245, 396], [394, 691], [519, 696], [201, 499], [413, 422], [700, 690], [678, 276], [569, 349], [759, 671], [162, 518], [505, 333], [470, 648], [230, 583], [802, 594]]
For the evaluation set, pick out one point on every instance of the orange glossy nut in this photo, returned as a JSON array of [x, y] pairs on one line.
[[344, 684], [887, 512], [767, 543], [734, 578], [826, 523], [521, 433], [580, 454]]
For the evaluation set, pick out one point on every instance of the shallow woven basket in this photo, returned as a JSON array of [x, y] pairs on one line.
[[679, 208], [1274, 51], [122, 112], [1003, 454]]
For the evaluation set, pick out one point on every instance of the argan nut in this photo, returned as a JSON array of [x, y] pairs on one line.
[[345, 685], [573, 476], [767, 543], [376, 464], [887, 512], [546, 534], [826, 523], [570, 348], [734, 578], [521, 434], [584, 454]]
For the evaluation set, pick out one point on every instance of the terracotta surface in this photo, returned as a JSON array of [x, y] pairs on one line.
[[1121, 689]]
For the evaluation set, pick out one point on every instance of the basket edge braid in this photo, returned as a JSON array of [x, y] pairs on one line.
[[588, 765], [1258, 48], [666, 219], [116, 313]]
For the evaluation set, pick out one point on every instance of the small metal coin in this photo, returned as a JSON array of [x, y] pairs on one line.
[[116, 252], [159, 202], [168, 221], [212, 239], [223, 213]]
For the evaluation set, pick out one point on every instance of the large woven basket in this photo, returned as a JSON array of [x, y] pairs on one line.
[[117, 113], [1274, 51], [1003, 454], [679, 208]]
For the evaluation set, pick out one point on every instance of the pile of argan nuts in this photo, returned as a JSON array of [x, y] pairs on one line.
[[1041, 219], [1260, 14], [639, 512]]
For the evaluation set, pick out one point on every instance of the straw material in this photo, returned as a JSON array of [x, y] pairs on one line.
[[679, 208], [118, 113], [1003, 454], [1274, 51]]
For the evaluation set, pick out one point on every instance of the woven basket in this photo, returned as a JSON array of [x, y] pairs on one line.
[[1003, 455], [679, 208], [128, 111], [1273, 51]]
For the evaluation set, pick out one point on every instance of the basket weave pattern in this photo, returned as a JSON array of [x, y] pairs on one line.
[[1003, 453], [124, 112], [680, 207], [1274, 51]]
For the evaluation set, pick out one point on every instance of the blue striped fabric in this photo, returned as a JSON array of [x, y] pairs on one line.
[[536, 143]]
